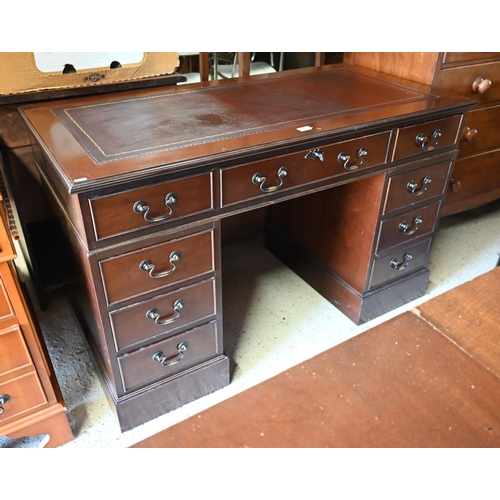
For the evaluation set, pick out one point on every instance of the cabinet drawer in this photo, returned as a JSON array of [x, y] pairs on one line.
[[25, 394], [479, 180], [461, 80], [161, 203], [162, 314], [407, 226], [480, 131], [6, 309], [428, 136], [158, 266], [262, 178], [14, 354], [399, 262], [415, 186], [176, 353], [454, 57]]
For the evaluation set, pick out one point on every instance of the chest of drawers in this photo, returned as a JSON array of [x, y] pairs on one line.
[[142, 194], [30, 400]]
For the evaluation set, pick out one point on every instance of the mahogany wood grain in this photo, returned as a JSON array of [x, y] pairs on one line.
[[123, 278], [334, 228], [391, 232], [460, 80], [407, 144], [484, 121], [139, 367], [400, 384], [237, 182], [95, 147], [470, 74], [384, 270], [132, 326], [115, 214], [415, 66], [399, 195], [463, 57]]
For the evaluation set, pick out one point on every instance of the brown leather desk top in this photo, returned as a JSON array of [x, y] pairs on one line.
[[100, 139]]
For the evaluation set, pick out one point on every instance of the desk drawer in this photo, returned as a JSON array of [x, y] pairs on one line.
[[407, 226], [429, 136], [480, 131], [461, 80], [160, 203], [25, 394], [399, 263], [258, 179], [415, 186], [158, 266], [176, 353], [140, 322]]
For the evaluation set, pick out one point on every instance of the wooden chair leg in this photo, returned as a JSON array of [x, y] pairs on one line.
[[204, 66]]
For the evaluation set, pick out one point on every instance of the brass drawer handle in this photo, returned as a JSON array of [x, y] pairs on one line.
[[405, 228], [344, 158], [154, 314], [422, 141], [400, 266], [161, 358], [417, 190], [4, 398], [316, 154], [258, 178], [140, 207], [148, 266], [481, 85]]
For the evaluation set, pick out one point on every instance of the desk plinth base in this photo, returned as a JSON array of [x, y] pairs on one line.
[[168, 395], [358, 308]]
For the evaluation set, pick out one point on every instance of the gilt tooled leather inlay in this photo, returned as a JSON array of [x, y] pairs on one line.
[[128, 128]]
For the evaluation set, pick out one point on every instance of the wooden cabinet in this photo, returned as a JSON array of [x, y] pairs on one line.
[[352, 168], [475, 75], [30, 400]]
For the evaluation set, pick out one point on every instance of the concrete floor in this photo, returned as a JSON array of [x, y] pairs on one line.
[[264, 341]]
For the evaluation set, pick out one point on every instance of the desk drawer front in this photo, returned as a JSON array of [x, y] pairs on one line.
[[176, 353], [159, 204], [407, 226], [429, 136], [400, 262], [259, 179], [413, 187], [25, 394], [158, 266], [473, 81], [176, 309]]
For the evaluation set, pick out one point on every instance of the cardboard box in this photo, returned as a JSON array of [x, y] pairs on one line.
[[31, 71]]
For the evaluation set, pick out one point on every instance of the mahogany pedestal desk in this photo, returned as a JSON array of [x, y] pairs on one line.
[[352, 166]]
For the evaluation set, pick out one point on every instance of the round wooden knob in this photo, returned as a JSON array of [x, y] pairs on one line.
[[481, 85], [455, 185], [469, 134]]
